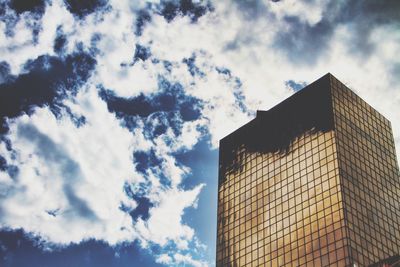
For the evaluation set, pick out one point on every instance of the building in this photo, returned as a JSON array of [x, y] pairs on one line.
[[393, 261], [314, 181]]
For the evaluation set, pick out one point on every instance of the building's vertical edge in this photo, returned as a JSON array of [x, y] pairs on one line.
[[336, 136], [218, 201], [220, 162], [396, 201], [395, 155]]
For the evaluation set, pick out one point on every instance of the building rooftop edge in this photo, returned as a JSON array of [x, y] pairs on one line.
[[260, 112]]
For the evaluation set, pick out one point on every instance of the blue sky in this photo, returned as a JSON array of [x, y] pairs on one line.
[[111, 112]]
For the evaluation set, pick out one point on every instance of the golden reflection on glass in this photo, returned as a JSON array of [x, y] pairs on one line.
[[369, 177], [331, 200], [284, 207]]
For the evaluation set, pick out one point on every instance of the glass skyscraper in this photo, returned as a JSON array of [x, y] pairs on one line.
[[313, 181]]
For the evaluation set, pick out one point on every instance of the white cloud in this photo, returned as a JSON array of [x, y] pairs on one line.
[[263, 68], [309, 12], [186, 259], [77, 173], [100, 151], [165, 222], [73, 178], [253, 59], [164, 259], [22, 42], [179, 259]]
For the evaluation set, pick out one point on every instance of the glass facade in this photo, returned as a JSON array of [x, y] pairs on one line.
[[369, 177], [312, 182]]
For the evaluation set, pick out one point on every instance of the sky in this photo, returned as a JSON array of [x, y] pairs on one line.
[[111, 112]]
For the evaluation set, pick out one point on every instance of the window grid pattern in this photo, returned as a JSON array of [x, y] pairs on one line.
[[332, 200], [369, 177], [283, 209]]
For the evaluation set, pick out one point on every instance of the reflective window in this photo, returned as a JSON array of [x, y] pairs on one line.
[[289, 208]]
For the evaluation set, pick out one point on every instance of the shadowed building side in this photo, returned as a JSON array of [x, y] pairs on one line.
[[273, 131]]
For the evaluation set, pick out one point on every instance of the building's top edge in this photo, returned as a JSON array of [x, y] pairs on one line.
[[299, 92], [282, 103], [241, 127], [367, 103]]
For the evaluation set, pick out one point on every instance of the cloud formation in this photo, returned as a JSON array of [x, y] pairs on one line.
[[97, 99], [68, 176]]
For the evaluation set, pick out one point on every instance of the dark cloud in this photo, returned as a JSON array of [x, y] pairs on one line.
[[143, 208], [190, 109], [19, 249], [170, 9], [82, 8], [4, 72], [143, 203], [363, 16], [3, 9], [159, 122], [3, 163], [302, 42], [53, 213], [4, 166], [167, 65], [12, 11], [143, 17], [140, 105], [146, 160], [13, 171], [48, 80], [305, 43], [378, 12], [11, 17], [192, 68], [167, 108], [251, 9], [141, 53], [60, 41], [20, 6]]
